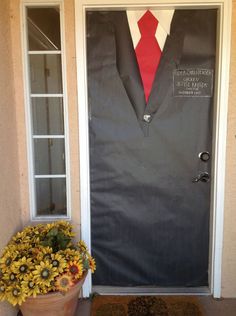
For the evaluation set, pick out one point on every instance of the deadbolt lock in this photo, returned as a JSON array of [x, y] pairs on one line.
[[204, 156]]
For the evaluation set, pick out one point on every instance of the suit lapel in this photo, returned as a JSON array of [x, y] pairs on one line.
[[113, 30], [171, 56], [127, 64]]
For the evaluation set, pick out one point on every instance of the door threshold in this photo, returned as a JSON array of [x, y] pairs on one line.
[[115, 290]]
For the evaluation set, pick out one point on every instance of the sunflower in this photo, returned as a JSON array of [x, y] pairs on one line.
[[92, 264], [52, 286], [30, 286], [10, 278], [22, 267], [65, 227], [82, 247], [32, 231], [20, 238], [6, 260], [44, 253], [44, 273], [70, 254], [28, 230], [35, 240], [3, 288], [11, 248], [75, 268], [58, 262], [64, 282], [35, 252], [16, 295], [23, 250], [63, 224], [49, 226]]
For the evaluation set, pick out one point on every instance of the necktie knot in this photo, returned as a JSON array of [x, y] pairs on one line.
[[148, 24]]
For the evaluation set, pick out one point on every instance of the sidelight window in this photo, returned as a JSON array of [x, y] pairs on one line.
[[46, 112]]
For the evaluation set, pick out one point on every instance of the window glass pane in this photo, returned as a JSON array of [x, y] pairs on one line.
[[47, 116], [44, 28], [46, 112], [45, 74], [49, 156], [51, 197]]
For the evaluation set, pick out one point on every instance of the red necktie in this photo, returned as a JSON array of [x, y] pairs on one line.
[[148, 52]]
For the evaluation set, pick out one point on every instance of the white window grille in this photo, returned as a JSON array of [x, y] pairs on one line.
[[46, 108]]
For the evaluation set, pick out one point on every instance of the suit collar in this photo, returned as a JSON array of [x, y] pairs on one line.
[[163, 16]]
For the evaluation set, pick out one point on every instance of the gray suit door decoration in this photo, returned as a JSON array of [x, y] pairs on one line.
[[150, 164]]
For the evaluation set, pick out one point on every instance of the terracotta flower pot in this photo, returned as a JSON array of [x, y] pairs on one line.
[[53, 304]]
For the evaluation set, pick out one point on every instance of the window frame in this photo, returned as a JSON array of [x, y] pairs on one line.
[[26, 53]]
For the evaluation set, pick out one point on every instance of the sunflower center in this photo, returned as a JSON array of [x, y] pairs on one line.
[[23, 268], [15, 292], [45, 273], [64, 282], [8, 261], [74, 269], [47, 256], [31, 284], [55, 263], [12, 277]]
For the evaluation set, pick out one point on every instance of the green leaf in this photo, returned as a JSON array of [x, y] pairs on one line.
[[56, 239], [53, 232], [86, 264]]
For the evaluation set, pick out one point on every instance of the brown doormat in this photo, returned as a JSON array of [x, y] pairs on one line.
[[146, 306]]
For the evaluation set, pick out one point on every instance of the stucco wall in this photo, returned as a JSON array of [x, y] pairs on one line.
[[8, 143], [229, 250], [9, 179]]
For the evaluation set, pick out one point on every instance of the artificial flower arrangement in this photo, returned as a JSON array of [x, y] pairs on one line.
[[42, 259]]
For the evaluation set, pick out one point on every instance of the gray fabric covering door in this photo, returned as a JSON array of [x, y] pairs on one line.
[[150, 194]]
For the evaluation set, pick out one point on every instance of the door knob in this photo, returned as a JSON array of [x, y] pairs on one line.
[[203, 177]]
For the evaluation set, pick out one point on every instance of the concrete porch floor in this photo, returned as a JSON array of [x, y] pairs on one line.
[[211, 307]]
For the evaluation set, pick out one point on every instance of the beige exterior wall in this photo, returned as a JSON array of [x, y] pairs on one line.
[[229, 250], [9, 180], [9, 194]]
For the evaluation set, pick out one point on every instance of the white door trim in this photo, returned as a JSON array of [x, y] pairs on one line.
[[220, 128]]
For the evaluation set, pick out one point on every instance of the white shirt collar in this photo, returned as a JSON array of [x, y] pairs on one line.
[[163, 16]]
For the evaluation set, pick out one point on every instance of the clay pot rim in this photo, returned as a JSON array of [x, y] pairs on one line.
[[58, 293]]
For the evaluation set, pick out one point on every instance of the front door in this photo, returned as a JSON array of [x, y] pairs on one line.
[[150, 160]]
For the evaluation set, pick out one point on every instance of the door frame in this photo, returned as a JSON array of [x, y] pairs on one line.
[[219, 128]]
